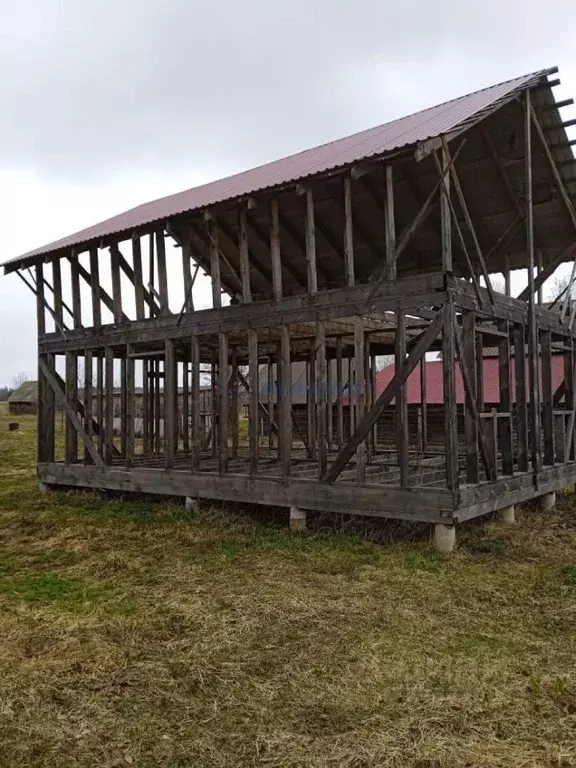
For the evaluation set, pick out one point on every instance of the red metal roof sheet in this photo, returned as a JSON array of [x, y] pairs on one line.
[[392, 136]]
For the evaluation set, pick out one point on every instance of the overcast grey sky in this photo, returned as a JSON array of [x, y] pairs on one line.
[[106, 105]]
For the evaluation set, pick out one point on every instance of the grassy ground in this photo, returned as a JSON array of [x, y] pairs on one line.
[[134, 634]]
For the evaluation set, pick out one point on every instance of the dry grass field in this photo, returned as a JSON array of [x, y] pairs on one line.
[[135, 634]]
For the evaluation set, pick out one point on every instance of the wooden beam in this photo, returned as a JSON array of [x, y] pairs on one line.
[[401, 402], [349, 269], [521, 405], [162, 274], [130, 404], [340, 393], [212, 230], [71, 434], [57, 287], [116, 287], [40, 300], [99, 295], [195, 403], [322, 404], [390, 223], [254, 400], [138, 278], [75, 286], [275, 249], [244, 254], [450, 405], [223, 402], [445, 217], [88, 397], [534, 411], [421, 346], [170, 404], [285, 402], [311, 269], [109, 404]]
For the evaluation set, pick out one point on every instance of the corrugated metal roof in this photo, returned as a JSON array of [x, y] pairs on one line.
[[401, 133]]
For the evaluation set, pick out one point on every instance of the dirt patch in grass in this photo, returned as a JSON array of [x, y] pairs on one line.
[[136, 634]]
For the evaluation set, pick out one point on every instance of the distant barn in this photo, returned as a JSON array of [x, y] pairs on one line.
[[24, 399]]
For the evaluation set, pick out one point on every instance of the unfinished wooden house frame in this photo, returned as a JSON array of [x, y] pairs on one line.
[[382, 243]]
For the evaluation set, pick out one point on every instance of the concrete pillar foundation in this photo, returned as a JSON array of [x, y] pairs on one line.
[[444, 538], [507, 515], [191, 504], [547, 502], [43, 487], [297, 519]]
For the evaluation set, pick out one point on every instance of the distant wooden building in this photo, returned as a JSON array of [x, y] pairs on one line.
[[24, 400]]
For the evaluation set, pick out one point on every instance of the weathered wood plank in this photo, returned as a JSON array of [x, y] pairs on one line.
[[130, 384], [88, 398], [285, 402], [244, 254], [195, 441], [170, 404], [138, 278], [254, 400], [223, 402], [94, 279], [521, 405], [109, 404], [116, 286], [162, 273], [275, 256], [311, 268], [449, 379], [349, 267], [401, 402], [322, 404], [71, 434]]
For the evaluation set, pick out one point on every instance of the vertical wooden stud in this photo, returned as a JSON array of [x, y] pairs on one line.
[[401, 401], [244, 254], [253, 399], [95, 287], [348, 232], [359, 393], [169, 403], [162, 274], [109, 404], [275, 255], [138, 278], [285, 402], [390, 224], [311, 244], [195, 403], [223, 402]]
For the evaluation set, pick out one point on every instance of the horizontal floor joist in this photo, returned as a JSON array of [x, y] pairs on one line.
[[417, 504]]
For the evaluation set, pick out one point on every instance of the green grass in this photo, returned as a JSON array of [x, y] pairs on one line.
[[140, 634]]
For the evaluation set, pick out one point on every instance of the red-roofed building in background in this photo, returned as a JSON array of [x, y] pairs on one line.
[[435, 387]]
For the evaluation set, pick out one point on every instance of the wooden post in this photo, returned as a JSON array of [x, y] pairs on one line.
[[270, 402], [214, 263], [75, 287], [390, 224], [330, 402], [423, 406], [57, 288], [348, 233], [471, 425], [339, 393], [450, 406], [95, 287], [71, 435], [130, 399], [311, 398], [88, 399], [46, 410], [534, 412], [548, 408], [234, 414], [138, 278], [109, 404], [145, 407], [311, 244], [100, 404], [169, 403], [445, 218], [275, 249], [505, 421], [223, 402], [195, 403], [285, 402], [116, 287], [162, 274], [123, 406], [254, 399], [521, 406], [401, 402], [187, 274], [40, 300], [244, 254], [359, 393], [185, 408], [322, 402]]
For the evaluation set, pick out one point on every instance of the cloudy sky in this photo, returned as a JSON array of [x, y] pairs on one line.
[[106, 105]]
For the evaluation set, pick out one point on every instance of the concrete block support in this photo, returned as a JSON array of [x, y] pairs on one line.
[[297, 519], [444, 538], [191, 504], [507, 515], [547, 502], [43, 487]]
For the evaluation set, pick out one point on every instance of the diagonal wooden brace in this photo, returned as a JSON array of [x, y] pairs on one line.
[[70, 413], [421, 346]]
